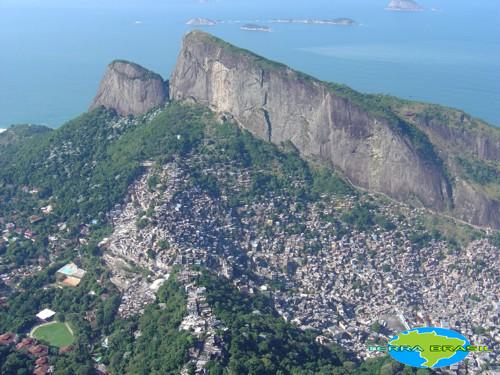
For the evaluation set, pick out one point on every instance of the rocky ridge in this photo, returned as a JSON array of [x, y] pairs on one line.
[[374, 146]]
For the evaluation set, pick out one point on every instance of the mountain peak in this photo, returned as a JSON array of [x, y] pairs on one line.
[[130, 89], [133, 70]]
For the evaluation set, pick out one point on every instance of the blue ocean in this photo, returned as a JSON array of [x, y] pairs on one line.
[[53, 52]]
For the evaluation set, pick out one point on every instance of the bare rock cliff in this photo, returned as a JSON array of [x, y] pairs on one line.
[[472, 206], [468, 135], [278, 104], [375, 149], [130, 89]]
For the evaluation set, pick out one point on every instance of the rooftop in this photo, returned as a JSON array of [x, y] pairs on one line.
[[45, 314]]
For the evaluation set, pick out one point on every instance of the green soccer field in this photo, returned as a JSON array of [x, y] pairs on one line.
[[56, 334]]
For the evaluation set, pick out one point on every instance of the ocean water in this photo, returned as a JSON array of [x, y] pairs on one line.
[[53, 52]]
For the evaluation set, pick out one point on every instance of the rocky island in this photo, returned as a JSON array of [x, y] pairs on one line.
[[404, 5], [201, 22], [254, 27], [335, 21]]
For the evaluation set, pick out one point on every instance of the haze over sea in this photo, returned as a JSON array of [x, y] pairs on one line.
[[53, 52]]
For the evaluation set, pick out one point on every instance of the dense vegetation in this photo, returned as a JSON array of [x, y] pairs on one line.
[[17, 134], [363, 218], [84, 168], [12, 362], [479, 171], [67, 164], [161, 348], [88, 164], [274, 170], [495, 239], [13, 138], [91, 315], [261, 342]]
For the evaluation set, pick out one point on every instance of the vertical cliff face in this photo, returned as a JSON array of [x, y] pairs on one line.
[[376, 147], [130, 89], [468, 135], [278, 104], [473, 206]]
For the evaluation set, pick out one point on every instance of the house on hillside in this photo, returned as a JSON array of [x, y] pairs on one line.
[[8, 338], [35, 219], [26, 343], [39, 350]]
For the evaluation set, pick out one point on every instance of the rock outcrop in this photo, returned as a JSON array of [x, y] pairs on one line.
[[130, 89], [473, 206], [470, 135], [375, 148]]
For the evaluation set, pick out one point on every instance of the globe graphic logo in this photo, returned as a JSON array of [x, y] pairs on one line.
[[429, 347]]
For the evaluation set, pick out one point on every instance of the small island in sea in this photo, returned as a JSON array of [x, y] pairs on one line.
[[254, 27], [201, 22], [334, 21], [404, 5]]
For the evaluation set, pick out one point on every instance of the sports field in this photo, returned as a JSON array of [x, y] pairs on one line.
[[56, 334]]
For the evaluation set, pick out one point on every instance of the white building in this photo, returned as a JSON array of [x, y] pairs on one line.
[[46, 314]]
